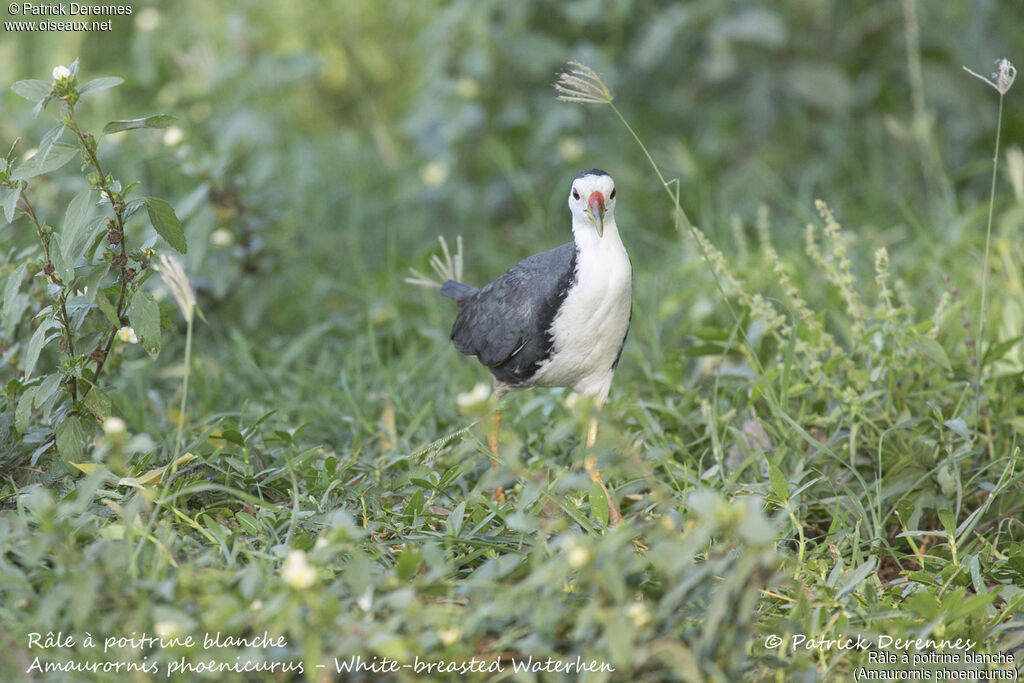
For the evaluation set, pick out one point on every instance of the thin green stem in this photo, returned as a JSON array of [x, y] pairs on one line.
[[184, 388], [654, 165], [988, 241]]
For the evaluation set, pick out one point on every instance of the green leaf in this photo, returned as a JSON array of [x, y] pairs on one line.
[[144, 315], [65, 268], [35, 346], [14, 281], [72, 438], [948, 520], [98, 84], [156, 121], [94, 279], [599, 503], [933, 351], [32, 90], [98, 403], [997, 351], [56, 156], [9, 201], [959, 427], [108, 308], [407, 564], [778, 481], [166, 223], [856, 576], [454, 523], [48, 389], [23, 412], [74, 236]]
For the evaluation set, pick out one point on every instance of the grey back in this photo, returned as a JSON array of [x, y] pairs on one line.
[[506, 323]]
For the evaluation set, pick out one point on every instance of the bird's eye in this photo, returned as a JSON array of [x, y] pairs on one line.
[[575, 194], [612, 195]]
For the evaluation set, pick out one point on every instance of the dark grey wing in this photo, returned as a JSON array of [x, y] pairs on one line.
[[505, 324]]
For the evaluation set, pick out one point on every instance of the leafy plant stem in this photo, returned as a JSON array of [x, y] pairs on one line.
[[118, 206]]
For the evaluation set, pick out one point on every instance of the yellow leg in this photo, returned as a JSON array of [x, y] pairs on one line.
[[590, 464], [492, 442]]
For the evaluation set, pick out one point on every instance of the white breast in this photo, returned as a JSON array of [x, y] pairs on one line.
[[590, 326]]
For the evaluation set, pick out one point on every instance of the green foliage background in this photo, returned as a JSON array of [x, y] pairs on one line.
[[774, 482]]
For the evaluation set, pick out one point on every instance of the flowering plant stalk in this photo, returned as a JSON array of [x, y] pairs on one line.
[[92, 302]]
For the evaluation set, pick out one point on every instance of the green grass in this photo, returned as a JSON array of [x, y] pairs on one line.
[[795, 434]]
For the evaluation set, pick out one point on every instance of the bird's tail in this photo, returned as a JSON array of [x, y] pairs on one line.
[[457, 292]]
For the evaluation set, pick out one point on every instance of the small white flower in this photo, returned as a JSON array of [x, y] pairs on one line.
[[470, 399], [296, 570], [61, 72], [256, 605], [148, 19], [321, 542], [578, 555], [570, 148], [638, 614], [173, 136], [467, 88], [434, 174], [167, 629], [127, 334], [222, 237], [114, 425], [450, 636]]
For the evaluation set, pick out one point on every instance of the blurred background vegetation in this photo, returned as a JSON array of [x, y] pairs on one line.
[[320, 148]]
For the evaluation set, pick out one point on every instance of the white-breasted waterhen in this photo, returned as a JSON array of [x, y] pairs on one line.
[[558, 318]]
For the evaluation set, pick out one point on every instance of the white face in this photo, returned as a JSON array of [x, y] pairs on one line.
[[588, 196]]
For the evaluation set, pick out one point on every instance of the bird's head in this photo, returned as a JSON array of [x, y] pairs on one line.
[[592, 199]]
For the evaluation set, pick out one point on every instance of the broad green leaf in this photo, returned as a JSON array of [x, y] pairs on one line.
[[948, 520], [98, 403], [108, 308], [74, 235], [23, 412], [57, 155], [778, 481], [72, 438], [95, 279], [454, 523], [98, 84], [156, 121], [35, 346], [959, 427], [248, 521], [144, 315], [32, 90], [14, 281], [407, 564], [166, 223], [857, 575], [48, 389], [58, 255], [933, 351], [9, 201]]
